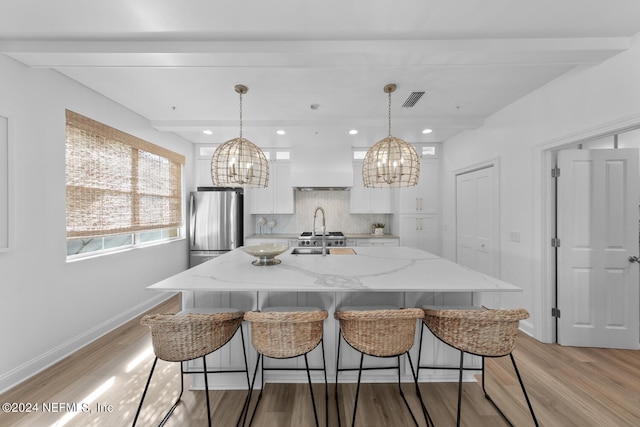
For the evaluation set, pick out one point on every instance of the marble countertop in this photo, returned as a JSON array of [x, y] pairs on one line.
[[377, 269], [295, 236]]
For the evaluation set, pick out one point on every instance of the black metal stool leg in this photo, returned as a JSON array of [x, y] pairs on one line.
[[460, 387], [402, 393], [313, 400], [337, 372], [326, 386], [245, 407], [513, 361], [146, 388], [355, 405], [486, 395], [249, 395], [419, 350], [252, 385], [144, 393], [206, 389], [425, 412], [175, 404]]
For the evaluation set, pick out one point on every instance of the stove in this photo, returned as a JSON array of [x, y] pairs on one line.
[[332, 238]]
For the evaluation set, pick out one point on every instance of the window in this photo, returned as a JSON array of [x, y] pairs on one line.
[[121, 190]]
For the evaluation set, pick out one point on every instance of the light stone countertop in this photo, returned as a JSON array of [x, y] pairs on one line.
[[377, 269], [295, 236]]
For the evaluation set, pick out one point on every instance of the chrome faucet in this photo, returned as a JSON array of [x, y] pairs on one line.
[[324, 228]]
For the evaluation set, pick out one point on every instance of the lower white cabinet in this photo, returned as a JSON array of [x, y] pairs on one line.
[[378, 241], [420, 231]]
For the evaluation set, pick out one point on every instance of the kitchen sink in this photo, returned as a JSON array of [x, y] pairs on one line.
[[308, 251]]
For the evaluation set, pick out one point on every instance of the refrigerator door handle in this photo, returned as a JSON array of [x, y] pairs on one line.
[[192, 204]]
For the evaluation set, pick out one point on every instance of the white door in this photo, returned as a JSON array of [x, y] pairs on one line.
[[476, 220], [597, 223]]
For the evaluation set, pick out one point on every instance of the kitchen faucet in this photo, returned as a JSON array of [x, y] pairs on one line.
[[324, 228]]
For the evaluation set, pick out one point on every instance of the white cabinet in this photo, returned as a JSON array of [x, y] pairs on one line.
[[203, 173], [367, 200], [424, 197], [418, 218], [420, 231], [277, 198], [378, 241]]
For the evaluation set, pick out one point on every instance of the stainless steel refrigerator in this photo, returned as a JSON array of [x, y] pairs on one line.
[[215, 224]]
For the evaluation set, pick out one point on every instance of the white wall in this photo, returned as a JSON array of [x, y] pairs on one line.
[[578, 104], [49, 307]]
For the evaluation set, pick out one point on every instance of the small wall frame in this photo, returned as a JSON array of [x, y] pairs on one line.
[[5, 183]]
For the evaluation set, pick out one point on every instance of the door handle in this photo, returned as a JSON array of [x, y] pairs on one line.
[[634, 259], [192, 202]]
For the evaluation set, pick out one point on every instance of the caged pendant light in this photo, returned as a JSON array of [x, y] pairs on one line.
[[391, 162], [239, 162]]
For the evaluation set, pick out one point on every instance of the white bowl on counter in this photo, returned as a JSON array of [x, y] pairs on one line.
[[266, 253]]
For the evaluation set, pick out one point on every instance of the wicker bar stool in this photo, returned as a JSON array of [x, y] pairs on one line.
[[191, 335], [379, 332], [284, 333], [481, 332]]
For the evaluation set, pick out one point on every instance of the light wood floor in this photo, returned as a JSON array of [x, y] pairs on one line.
[[567, 386]]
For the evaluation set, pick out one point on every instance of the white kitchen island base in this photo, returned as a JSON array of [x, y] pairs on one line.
[[400, 276]]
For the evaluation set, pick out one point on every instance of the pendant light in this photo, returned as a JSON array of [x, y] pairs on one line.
[[391, 162], [239, 162]]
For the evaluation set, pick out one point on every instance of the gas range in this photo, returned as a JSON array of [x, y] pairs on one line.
[[332, 238]]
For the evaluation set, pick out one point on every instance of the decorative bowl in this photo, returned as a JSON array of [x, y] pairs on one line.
[[265, 252]]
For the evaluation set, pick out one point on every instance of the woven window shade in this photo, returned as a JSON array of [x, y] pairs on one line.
[[117, 183]]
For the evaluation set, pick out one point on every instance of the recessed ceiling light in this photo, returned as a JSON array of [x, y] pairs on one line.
[[207, 132], [280, 132], [427, 131], [353, 132]]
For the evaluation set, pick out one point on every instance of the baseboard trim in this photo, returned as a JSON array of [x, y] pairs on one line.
[[36, 365]]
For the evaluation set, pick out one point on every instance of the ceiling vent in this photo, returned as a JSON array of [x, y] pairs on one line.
[[413, 99]]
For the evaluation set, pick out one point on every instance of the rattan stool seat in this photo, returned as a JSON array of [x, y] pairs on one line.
[[379, 332], [286, 332], [189, 335], [482, 332]]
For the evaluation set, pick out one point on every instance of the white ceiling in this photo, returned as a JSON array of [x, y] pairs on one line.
[[176, 62]]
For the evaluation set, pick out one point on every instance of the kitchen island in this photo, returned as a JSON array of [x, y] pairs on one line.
[[401, 276]]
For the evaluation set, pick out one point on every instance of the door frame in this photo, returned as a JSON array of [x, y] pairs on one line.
[[544, 264]]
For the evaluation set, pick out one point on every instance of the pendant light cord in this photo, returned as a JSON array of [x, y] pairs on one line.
[[389, 113], [241, 116]]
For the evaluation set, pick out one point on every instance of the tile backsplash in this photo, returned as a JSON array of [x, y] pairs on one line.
[[336, 207]]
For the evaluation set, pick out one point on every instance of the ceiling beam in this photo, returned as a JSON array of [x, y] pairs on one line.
[[333, 54]]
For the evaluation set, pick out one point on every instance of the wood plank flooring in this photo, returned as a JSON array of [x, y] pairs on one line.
[[568, 386]]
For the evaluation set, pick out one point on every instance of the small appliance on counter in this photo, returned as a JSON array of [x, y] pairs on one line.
[[215, 222]]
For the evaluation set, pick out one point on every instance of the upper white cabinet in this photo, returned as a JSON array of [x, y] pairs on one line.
[[424, 197], [368, 200], [277, 198]]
